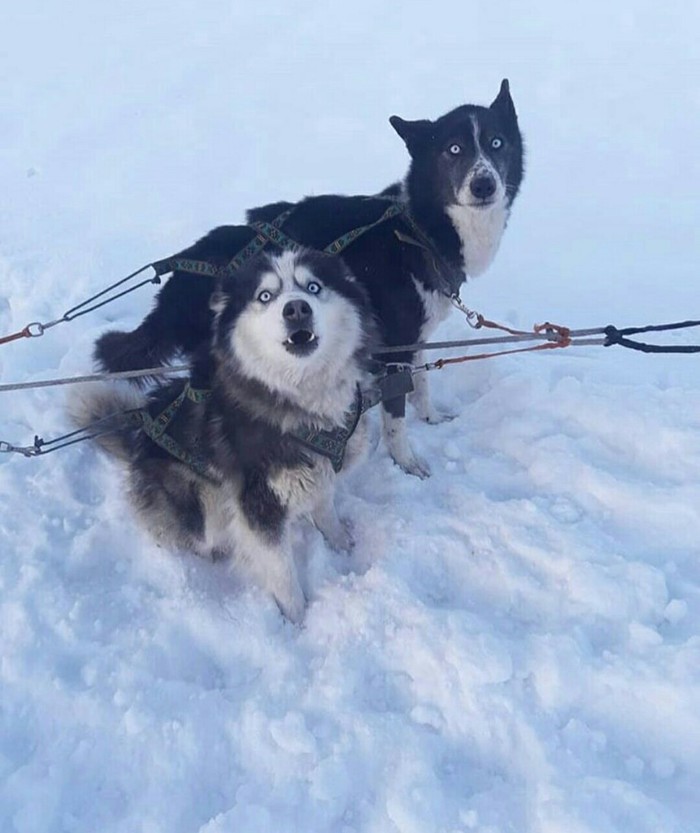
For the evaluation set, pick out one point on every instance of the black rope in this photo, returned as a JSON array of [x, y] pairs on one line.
[[613, 335], [112, 424], [37, 328], [77, 310]]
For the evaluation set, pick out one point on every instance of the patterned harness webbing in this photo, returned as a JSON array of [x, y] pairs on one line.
[[342, 242], [155, 429], [330, 444], [266, 233]]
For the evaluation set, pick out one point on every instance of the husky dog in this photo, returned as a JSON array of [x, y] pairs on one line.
[[466, 169], [290, 337]]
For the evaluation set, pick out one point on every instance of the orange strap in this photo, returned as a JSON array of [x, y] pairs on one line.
[[492, 325], [563, 340], [562, 332], [25, 333]]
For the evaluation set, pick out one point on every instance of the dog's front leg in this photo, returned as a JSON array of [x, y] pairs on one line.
[[261, 543], [273, 566], [420, 398], [283, 582], [325, 516], [396, 438]]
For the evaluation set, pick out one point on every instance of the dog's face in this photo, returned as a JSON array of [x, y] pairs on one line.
[[291, 317], [470, 157]]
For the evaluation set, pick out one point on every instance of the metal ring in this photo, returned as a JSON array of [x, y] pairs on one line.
[[35, 329]]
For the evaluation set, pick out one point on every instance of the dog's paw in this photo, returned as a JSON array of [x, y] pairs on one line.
[[434, 417], [414, 465], [426, 411], [341, 537], [293, 607]]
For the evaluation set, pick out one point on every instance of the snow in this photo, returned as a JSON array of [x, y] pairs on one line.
[[514, 646]]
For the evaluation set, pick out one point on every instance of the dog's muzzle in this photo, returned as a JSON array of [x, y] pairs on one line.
[[483, 188], [301, 339]]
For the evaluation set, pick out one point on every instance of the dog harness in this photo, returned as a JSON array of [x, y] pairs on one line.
[[330, 444], [155, 429]]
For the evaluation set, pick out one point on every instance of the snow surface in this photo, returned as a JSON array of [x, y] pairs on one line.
[[514, 646]]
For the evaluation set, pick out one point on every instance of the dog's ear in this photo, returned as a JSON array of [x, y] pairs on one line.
[[218, 300], [414, 133], [503, 103]]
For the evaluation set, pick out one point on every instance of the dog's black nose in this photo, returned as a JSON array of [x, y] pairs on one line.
[[296, 312], [483, 187]]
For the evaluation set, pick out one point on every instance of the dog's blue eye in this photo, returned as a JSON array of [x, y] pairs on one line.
[[313, 287], [265, 297], [455, 149], [496, 142]]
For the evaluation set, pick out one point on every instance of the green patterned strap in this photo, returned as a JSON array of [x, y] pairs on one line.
[[155, 429], [270, 233], [329, 444], [197, 394], [186, 264], [349, 237], [423, 241], [332, 444], [265, 232]]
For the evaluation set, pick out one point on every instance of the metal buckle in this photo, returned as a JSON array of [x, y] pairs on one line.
[[35, 329], [471, 316]]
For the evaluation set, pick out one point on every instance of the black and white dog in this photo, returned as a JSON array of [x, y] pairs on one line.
[[287, 349], [466, 169]]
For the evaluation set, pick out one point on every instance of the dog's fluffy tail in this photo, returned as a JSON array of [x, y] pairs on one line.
[[106, 404]]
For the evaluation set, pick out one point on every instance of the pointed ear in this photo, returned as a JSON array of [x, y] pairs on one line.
[[414, 133], [503, 102], [218, 301]]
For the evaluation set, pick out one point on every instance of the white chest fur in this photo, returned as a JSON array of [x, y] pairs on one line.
[[436, 306], [480, 231]]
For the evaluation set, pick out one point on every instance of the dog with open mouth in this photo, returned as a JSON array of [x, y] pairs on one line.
[[288, 347]]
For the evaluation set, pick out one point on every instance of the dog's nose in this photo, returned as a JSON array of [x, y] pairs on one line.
[[483, 187], [296, 312]]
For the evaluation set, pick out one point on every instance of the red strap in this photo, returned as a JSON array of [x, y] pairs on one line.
[[563, 332], [492, 325], [21, 334], [564, 341]]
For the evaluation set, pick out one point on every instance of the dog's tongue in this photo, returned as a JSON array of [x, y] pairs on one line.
[[301, 337]]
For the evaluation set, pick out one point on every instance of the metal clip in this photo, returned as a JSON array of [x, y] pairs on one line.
[[25, 452], [35, 329], [473, 318]]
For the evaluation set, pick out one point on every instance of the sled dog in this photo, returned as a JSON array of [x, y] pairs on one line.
[[289, 336]]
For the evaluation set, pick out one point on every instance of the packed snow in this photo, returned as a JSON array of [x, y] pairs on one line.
[[514, 644]]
